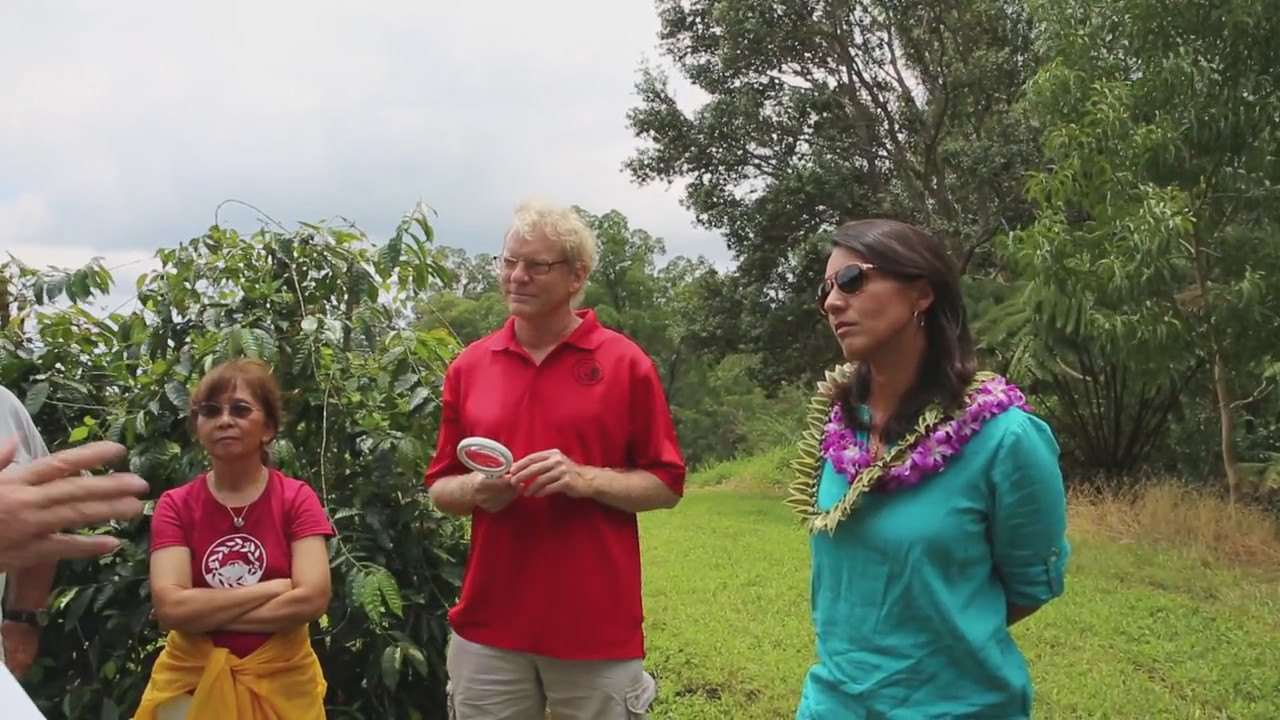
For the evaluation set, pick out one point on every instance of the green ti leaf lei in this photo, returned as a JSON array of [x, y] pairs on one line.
[[802, 493]]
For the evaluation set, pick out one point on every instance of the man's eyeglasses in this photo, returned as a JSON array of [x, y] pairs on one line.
[[213, 410], [849, 279], [505, 264]]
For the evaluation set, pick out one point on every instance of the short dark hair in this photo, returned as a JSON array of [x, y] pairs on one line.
[[255, 377]]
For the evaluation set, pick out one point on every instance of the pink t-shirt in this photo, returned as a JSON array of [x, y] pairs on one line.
[[225, 556]]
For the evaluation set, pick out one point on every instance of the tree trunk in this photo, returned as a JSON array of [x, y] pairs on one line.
[[4, 302], [1226, 417]]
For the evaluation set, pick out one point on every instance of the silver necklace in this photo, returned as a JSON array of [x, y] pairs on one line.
[[237, 520]]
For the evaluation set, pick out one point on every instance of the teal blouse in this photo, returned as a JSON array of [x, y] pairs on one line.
[[909, 594]]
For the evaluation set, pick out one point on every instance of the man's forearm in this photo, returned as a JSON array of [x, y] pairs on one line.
[[294, 608], [455, 494], [629, 490], [29, 586]]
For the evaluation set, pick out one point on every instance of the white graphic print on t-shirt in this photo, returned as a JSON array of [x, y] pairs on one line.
[[234, 561]]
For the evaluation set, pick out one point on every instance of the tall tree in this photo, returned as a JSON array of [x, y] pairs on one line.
[[1159, 213], [825, 111], [468, 276], [821, 111], [624, 288]]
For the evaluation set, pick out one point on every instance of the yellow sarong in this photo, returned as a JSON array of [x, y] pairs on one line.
[[281, 680]]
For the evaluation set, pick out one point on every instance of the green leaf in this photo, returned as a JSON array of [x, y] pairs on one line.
[[235, 341], [79, 434], [36, 395], [76, 607], [419, 396], [416, 658], [103, 596], [391, 663], [177, 394], [390, 591], [368, 595], [389, 256], [115, 431]]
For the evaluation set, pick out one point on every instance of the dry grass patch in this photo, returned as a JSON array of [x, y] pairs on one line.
[[1165, 513], [1172, 514]]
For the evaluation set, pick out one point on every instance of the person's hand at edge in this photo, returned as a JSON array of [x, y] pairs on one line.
[[48, 496]]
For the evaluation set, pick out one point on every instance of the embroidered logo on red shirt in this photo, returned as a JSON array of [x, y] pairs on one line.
[[587, 372], [234, 561]]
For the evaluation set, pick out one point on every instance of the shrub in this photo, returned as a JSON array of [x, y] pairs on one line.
[[328, 310]]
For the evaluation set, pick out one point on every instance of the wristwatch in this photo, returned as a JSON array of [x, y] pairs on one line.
[[38, 618]]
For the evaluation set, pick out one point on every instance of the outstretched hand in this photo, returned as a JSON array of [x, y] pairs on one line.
[[48, 496]]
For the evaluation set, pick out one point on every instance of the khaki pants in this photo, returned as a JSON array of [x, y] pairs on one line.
[[486, 683]]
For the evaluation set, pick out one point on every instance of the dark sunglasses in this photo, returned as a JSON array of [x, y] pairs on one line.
[[849, 280], [213, 411]]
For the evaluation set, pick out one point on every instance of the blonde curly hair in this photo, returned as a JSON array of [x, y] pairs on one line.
[[536, 217]]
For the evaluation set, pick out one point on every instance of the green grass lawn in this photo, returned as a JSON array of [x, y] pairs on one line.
[[1140, 632]]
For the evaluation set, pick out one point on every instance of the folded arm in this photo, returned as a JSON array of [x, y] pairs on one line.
[[178, 606], [1029, 518], [307, 601]]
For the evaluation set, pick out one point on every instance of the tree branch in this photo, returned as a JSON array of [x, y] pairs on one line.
[[1257, 395]]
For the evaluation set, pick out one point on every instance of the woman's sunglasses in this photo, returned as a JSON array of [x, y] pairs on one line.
[[213, 411], [849, 280]]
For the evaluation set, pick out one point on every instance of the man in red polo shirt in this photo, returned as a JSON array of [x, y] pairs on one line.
[[550, 612]]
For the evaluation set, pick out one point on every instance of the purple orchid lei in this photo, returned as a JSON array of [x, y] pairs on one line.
[[851, 457]]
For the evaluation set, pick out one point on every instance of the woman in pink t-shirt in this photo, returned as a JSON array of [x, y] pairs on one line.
[[239, 565]]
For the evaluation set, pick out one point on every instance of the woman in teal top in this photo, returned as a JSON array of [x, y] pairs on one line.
[[933, 496]]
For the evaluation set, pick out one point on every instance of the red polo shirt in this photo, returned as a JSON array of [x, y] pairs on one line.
[[557, 576]]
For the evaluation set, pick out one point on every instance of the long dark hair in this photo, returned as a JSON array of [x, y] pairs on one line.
[[949, 362]]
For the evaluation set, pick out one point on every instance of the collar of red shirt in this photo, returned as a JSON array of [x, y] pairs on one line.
[[588, 335]]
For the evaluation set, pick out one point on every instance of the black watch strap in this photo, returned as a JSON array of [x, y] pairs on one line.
[[30, 617]]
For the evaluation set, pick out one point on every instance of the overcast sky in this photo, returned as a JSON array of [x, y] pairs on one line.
[[124, 124]]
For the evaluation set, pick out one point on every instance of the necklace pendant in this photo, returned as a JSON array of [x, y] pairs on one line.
[[238, 522]]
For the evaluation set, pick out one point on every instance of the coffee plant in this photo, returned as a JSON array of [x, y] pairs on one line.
[[332, 313]]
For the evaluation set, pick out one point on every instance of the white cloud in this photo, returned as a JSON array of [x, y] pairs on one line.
[[23, 217], [127, 123], [126, 267]]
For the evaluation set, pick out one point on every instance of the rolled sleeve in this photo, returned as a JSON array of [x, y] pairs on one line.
[[445, 462], [1029, 515], [654, 446]]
